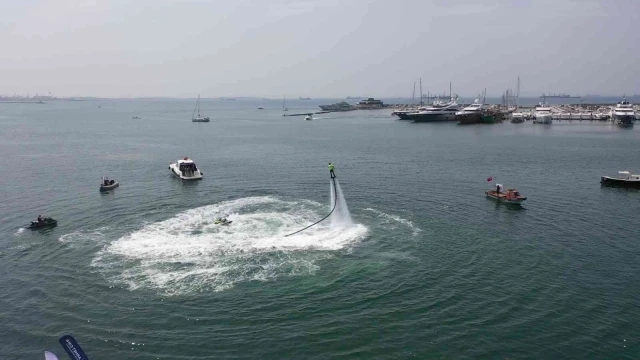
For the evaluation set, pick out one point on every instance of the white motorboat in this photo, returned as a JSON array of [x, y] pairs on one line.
[[624, 179], [404, 114], [199, 118], [623, 113], [472, 114], [186, 169], [543, 114], [517, 117]]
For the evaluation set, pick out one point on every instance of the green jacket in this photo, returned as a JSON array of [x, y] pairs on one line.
[[331, 167]]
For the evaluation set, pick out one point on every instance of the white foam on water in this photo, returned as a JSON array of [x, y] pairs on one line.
[[82, 237], [408, 223], [19, 231], [189, 253]]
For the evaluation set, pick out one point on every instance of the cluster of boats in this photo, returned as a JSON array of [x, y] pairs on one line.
[[367, 104], [476, 113], [512, 196], [479, 112], [622, 113], [184, 168]]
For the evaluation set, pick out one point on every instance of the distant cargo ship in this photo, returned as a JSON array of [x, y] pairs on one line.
[[559, 96], [304, 98], [339, 106]]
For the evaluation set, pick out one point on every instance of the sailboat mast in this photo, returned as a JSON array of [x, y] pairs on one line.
[[193, 116], [450, 95], [421, 104], [413, 96], [518, 94]]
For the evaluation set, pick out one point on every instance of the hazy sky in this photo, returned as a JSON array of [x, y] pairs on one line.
[[317, 48]]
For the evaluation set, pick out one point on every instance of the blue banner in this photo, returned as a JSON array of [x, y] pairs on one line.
[[72, 348]]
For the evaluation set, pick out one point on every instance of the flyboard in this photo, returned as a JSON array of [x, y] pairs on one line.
[[72, 348], [335, 203]]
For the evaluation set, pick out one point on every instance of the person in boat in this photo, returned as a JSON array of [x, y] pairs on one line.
[[331, 168], [40, 219], [498, 189]]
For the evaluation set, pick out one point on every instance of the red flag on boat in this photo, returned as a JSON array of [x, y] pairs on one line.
[[490, 178]]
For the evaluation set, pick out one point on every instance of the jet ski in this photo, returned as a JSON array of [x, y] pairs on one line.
[[220, 221], [46, 222]]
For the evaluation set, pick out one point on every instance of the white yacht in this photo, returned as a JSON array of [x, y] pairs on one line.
[[623, 113], [199, 118], [186, 169], [543, 114], [404, 114], [437, 112], [472, 114], [517, 117]]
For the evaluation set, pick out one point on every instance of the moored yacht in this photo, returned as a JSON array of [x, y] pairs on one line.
[[404, 114], [623, 113], [472, 114], [543, 114], [517, 118], [339, 106], [185, 169], [198, 118], [369, 104], [437, 112]]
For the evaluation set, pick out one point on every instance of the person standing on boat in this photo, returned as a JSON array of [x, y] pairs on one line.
[[498, 189], [40, 218], [331, 173]]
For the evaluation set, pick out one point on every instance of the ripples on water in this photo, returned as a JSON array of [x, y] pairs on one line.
[[431, 268]]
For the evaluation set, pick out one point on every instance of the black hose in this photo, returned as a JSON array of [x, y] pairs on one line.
[[335, 202]]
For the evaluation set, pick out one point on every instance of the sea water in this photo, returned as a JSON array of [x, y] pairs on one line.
[[429, 268]]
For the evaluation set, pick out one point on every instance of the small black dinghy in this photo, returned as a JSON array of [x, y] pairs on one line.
[[43, 223], [107, 184]]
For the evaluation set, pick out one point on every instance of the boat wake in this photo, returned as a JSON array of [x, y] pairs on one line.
[[408, 223], [84, 237], [189, 253], [19, 231]]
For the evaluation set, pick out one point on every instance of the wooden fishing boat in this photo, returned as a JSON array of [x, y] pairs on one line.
[[511, 196]]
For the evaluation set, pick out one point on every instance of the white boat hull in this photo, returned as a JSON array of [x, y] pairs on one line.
[[196, 175], [542, 119]]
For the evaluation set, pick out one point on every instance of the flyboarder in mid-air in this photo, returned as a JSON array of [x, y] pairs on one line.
[[331, 167]]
